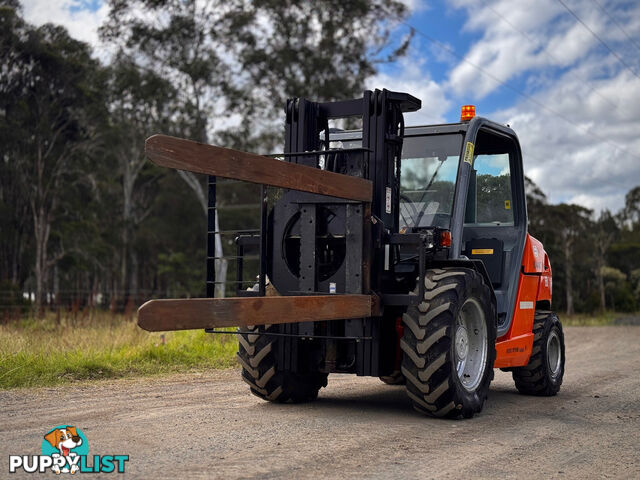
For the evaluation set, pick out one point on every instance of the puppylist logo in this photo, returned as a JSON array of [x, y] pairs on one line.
[[65, 449]]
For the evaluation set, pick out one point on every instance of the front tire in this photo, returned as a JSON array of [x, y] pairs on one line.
[[256, 355], [543, 375], [449, 344]]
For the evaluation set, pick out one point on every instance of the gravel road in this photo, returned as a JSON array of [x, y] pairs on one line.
[[209, 426]]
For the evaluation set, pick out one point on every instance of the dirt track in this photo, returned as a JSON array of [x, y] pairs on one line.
[[209, 426]]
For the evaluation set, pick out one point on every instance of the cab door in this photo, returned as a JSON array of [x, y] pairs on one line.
[[494, 210]]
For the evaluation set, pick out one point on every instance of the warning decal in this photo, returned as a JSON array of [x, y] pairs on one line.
[[468, 153]]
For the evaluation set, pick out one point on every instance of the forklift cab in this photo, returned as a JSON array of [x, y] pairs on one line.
[[468, 178]]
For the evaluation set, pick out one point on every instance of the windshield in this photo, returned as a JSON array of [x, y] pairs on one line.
[[428, 179]]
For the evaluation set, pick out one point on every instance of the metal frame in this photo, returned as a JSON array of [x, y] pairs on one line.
[[418, 240], [377, 160]]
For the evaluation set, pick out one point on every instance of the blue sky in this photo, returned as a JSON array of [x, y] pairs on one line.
[[445, 23], [85, 5], [576, 110]]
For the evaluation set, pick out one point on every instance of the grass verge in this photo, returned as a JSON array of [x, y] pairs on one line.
[[50, 351], [595, 320]]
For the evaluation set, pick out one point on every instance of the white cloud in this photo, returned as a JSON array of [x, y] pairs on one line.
[[517, 41], [416, 5], [410, 77], [81, 22], [594, 159]]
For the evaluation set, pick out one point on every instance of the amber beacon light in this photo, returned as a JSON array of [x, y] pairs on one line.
[[467, 112]]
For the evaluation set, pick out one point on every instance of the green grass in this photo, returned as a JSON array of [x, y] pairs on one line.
[[44, 352], [589, 320]]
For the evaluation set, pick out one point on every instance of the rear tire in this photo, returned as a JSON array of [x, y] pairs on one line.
[[438, 350], [543, 375], [256, 355]]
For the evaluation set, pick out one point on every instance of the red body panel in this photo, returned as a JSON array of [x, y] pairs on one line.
[[534, 285]]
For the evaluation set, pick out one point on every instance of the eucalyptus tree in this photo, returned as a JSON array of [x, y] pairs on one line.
[[177, 41], [603, 236], [571, 225], [326, 49], [140, 104]]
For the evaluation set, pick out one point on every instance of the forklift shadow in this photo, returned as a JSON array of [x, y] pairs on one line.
[[364, 399], [385, 400], [394, 400]]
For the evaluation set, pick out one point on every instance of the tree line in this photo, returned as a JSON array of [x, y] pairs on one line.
[[595, 258], [87, 221]]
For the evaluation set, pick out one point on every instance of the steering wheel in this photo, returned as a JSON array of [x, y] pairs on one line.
[[414, 213]]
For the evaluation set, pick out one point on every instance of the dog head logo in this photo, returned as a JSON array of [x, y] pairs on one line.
[[64, 439], [67, 443]]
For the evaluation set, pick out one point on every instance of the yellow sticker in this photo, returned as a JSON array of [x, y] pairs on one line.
[[482, 251], [507, 204], [468, 153]]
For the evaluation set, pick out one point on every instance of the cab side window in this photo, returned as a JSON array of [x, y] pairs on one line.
[[489, 199]]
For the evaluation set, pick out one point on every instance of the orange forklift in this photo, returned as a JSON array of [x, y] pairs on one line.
[[388, 251]]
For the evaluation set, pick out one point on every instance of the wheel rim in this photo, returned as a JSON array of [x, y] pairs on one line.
[[470, 344], [554, 354]]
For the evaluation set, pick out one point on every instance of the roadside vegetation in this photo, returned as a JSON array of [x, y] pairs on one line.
[[600, 319], [590, 320], [43, 352], [40, 352]]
